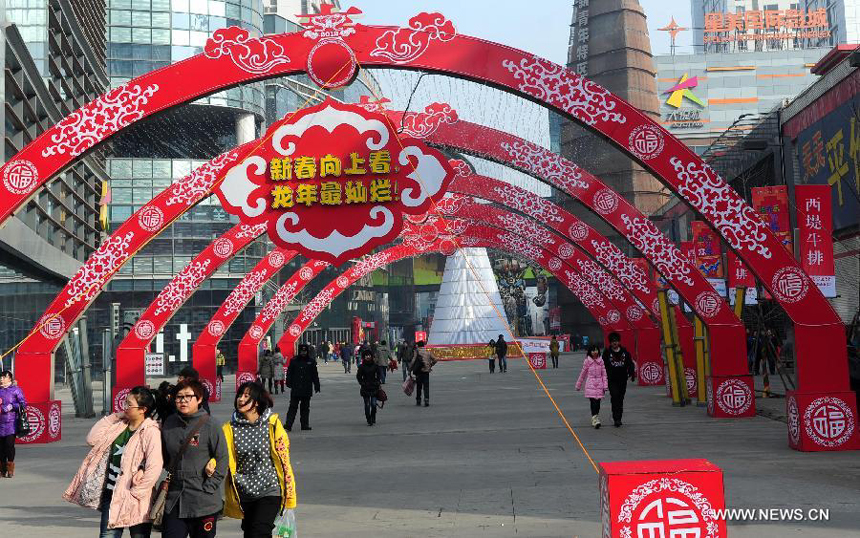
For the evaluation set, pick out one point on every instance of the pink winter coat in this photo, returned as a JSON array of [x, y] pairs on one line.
[[594, 375], [140, 468]]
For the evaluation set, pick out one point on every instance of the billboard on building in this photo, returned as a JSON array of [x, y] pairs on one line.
[[828, 153], [766, 25]]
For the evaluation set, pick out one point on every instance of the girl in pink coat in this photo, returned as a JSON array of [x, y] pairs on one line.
[[596, 384], [118, 474]]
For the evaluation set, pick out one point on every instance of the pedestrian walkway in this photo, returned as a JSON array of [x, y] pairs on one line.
[[489, 457]]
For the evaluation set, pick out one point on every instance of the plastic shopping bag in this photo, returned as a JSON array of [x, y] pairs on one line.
[[285, 524]]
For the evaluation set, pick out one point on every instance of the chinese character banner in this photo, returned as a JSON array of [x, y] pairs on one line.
[[333, 181], [815, 227], [828, 152]]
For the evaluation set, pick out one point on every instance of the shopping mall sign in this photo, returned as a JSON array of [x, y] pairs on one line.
[[687, 118], [768, 24], [683, 90], [333, 181]]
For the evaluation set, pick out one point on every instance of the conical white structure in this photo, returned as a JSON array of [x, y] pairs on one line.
[[464, 309]]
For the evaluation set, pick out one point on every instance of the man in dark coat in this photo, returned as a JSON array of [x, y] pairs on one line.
[[346, 356], [502, 353], [619, 367], [303, 380]]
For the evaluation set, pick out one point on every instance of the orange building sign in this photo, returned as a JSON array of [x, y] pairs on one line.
[[759, 25]]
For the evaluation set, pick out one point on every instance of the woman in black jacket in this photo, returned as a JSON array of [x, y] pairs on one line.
[[368, 378]]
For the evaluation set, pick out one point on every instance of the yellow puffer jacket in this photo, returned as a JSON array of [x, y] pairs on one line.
[[280, 444]]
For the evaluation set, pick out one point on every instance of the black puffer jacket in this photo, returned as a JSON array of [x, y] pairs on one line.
[[368, 378], [303, 377]]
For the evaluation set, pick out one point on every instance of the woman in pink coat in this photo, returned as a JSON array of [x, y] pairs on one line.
[[596, 384], [118, 474]]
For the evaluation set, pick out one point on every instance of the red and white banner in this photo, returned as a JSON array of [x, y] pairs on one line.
[[815, 227], [771, 203], [333, 181]]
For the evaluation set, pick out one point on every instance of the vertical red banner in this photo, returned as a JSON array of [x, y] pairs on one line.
[[708, 255], [739, 274], [357, 331], [815, 226], [740, 277], [772, 204]]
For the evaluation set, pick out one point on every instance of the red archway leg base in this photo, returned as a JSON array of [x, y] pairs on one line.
[[688, 348], [730, 396], [822, 421], [46, 421], [247, 363], [649, 359], [42, 409]]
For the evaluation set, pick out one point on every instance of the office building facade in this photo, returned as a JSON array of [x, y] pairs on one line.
[[143, 35], [54, 62]]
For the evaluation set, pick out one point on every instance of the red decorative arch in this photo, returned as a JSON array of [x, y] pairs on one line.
[[203, 351], [247, 354], [432, 44], [645, 338], [479, 236], [131, 351], [35, 355], [523, 236]]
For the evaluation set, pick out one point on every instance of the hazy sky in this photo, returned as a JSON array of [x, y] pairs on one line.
[[540, 27]]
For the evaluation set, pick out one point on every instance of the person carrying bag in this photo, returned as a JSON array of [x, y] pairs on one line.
[[13, 422], [370, 382], [157, 511], [260, 486], [194, 497], [118, 474]]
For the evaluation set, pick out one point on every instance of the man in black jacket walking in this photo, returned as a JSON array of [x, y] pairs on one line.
[[303, 380], [619, 367]]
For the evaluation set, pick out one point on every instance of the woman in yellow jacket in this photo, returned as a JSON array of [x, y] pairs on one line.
[[260, 484]]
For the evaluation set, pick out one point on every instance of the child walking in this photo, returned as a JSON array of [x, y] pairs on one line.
[[596, 384]]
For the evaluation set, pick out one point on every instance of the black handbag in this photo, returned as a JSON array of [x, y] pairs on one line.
[[22, 423]]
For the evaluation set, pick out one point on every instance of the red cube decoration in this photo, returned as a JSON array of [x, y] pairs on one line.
[[661, 498], [46, 421], [819, 422], [538, 360]]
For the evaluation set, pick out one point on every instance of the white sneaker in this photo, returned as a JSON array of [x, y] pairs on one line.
[[595, 421]]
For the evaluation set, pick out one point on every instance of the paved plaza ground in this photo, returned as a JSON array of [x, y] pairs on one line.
[[489, 457]]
